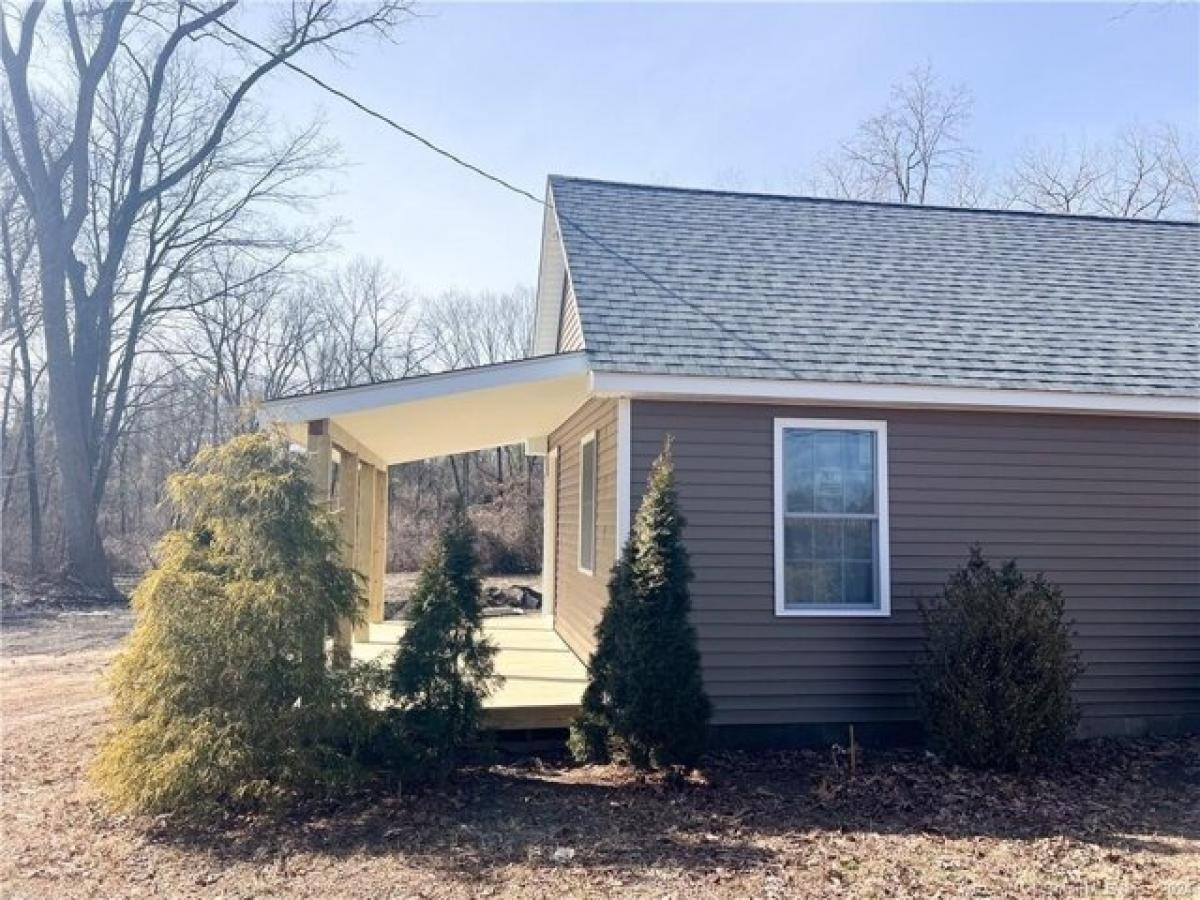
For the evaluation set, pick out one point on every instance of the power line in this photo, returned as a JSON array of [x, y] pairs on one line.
[[382, 117], [502, 182]]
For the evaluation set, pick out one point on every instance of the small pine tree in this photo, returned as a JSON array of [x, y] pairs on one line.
[[645, 698], [994, 685], [220, 701], [444, 668]]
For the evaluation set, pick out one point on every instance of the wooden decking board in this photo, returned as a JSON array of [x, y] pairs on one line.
[[544, 680]]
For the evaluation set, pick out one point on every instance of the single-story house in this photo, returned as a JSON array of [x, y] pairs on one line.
[[856, 393]]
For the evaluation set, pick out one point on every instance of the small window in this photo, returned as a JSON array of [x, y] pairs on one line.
[[831, 528], [587, 504]]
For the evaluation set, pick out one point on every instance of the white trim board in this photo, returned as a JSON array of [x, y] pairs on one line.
[[585, 440], [882, 562], [624, 462], [762, 390]]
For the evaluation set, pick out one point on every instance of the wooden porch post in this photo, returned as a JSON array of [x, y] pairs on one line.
[[549, 530], [320, 466], [364, 539], [347, 523], [379, 530]]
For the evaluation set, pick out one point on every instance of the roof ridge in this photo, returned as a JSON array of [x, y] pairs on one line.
[[552, 179]]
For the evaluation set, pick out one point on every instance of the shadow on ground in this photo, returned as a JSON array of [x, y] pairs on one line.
[[746, 809]]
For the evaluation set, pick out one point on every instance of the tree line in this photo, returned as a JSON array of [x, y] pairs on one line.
[[915, 150]]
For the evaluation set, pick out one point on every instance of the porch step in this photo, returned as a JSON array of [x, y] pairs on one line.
[[513, 662], [390, 631]]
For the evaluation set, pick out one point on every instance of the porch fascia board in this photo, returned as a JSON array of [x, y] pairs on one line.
[[447, 412]]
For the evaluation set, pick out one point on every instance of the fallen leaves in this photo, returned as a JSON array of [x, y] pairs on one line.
[[1119, 819]]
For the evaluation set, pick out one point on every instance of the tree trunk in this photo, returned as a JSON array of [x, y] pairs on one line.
[[85, 559]]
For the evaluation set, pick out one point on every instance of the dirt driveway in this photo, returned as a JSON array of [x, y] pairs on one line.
[[1121, 820]]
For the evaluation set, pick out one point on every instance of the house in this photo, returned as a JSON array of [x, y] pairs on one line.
[[856, 393]]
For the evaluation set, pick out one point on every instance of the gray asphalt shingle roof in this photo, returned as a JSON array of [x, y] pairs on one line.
[[691, 282]]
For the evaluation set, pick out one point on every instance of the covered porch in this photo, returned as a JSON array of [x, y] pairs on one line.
[[543, 679], [353, 435]]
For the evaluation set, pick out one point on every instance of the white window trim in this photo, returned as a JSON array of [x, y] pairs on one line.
[[881, 481], [589, 438]]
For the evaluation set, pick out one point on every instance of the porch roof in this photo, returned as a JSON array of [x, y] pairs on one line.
[[447, 412]]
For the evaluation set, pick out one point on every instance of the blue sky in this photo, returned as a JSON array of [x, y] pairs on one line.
[[699, 95]]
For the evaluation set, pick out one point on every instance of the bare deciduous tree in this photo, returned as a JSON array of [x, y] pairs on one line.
[[19, 320], [1146, 173], [477, 329], [913, 151], [368, 328], [55, 169]]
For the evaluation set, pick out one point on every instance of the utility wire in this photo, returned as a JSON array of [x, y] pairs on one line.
[[504, 183], [385, 119]]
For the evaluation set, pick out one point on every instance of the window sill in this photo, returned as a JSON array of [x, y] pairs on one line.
[[826, 612]]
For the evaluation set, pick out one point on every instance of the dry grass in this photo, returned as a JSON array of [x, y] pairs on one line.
[[1122, 820]]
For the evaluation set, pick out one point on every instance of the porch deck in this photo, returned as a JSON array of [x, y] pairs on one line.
[[543, 679]]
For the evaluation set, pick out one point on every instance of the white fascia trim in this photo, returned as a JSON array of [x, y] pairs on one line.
[[700, 387], [341, 402], [881, 512], [624, 457], [547, 321]]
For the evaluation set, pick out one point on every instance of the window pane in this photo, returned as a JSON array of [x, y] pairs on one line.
[[859, 539], [827, 538], [860, 583], [827, 583], [860, 493], [798, 584], [798, 470], [859, 450], [798, 539]]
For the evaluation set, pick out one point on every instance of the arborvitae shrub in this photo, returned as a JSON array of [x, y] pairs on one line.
[[222, 699], [645, 700], [994, 683], [444, 667]]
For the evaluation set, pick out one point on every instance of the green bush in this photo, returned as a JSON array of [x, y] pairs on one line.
[[994, 684], [444, 668], [645, 700], [222, 699]]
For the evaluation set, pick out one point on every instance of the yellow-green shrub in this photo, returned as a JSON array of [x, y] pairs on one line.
[[222, 699]]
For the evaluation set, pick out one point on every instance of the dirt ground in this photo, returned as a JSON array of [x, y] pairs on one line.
[[398, 586], [1119, 820]]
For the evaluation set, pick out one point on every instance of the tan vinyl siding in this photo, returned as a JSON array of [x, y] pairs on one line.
[[579, 597], [570, 332], [1108, 507]]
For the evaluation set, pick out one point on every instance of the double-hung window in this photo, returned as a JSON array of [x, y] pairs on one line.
[[587, 504], [831, 525]]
